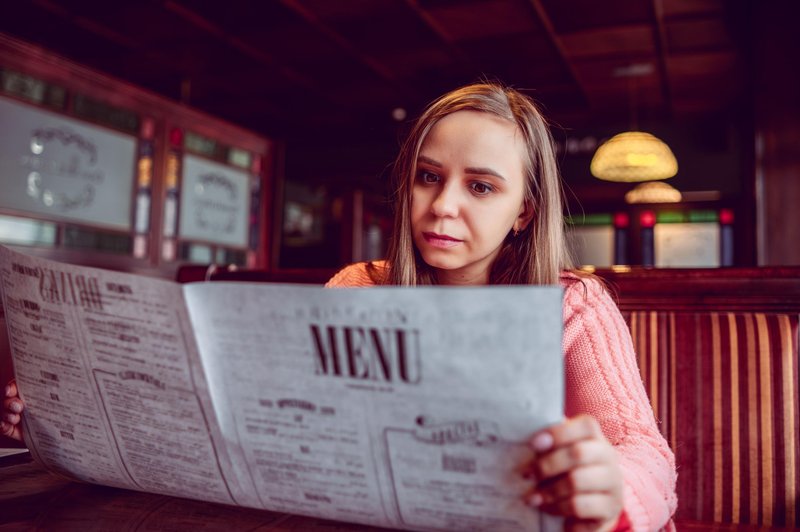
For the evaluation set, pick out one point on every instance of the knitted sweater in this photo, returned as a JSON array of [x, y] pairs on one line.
[[603, 380]]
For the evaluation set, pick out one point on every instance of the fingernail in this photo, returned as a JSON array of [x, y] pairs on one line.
[[535, 499], [15, 407], [542, 442], [8, 390]]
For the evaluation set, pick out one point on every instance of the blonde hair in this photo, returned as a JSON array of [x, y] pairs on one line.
[[538, 253]]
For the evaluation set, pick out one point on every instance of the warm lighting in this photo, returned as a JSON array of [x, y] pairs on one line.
[[653, 192], [633, 156]]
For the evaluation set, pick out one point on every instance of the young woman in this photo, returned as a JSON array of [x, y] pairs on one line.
[[478, 201]]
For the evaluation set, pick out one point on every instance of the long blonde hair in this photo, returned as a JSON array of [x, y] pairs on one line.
[[538, 253]]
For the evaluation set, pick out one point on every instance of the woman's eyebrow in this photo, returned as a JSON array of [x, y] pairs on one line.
[[428, 160], [472, 170], [483, 171]]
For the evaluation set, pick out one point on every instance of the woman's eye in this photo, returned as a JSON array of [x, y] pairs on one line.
[[428, 178], [481, 189]]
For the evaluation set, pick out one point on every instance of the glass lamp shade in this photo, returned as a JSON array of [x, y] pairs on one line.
[[633, 156], [653, 192]]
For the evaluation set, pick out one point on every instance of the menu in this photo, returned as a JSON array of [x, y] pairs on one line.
[[389, 406]]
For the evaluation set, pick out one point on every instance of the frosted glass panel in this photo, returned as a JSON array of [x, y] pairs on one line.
[[26, 232], [215, 203], [592, 244], [687, 245], [62, 168]]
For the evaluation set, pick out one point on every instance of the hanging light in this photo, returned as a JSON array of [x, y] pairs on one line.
[[653, 192], [633, 156]]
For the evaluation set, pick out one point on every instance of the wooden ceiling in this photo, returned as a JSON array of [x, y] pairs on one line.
[[291, 68]]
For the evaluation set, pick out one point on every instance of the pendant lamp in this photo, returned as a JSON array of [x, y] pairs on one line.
[[633, 156], [653, 192]]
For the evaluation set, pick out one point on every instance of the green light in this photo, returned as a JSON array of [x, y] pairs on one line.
[[671, 217], [703, 216], [591, 219]]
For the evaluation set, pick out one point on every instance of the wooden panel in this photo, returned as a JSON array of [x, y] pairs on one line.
[[702, 34], [576, 15], [475, 20], [626, 41], [682, 8]]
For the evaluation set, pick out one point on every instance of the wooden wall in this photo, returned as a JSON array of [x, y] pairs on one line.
[[776, 69]]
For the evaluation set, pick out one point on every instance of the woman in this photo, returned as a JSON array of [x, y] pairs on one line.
[[479, 202]]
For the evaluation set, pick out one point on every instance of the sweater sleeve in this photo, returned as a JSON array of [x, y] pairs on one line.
[[356, 275], [603, 380]]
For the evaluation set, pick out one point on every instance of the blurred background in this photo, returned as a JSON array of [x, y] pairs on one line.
[[145, 135]]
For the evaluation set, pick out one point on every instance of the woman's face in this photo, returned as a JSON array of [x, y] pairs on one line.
[[468, 194]]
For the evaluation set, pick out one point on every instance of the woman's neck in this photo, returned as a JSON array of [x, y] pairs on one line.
[[462, 278]]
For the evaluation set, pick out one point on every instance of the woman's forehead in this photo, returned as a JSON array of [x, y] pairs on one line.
[[474, 134]]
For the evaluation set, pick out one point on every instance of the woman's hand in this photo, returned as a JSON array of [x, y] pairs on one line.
[[12, 408], [577, 475]]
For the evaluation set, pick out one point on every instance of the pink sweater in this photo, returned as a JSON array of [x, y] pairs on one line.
[[602, 379]]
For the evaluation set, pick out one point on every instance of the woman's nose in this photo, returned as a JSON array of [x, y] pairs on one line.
[[445, 204]]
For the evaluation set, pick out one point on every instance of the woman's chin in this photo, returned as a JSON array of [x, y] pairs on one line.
[[436, 260]]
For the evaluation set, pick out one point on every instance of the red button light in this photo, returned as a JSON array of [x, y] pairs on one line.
[[726, 216], [176, 136], [647, 219]]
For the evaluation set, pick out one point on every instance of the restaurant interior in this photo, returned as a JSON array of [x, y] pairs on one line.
[[256, 141]]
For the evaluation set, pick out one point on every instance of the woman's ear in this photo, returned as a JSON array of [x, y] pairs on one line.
[[525, 216]]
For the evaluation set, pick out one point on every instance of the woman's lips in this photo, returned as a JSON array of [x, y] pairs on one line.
[[440, 241]]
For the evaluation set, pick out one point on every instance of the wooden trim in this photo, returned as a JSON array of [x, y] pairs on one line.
[[724, 289]]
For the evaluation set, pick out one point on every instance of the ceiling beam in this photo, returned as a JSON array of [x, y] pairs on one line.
[[544, 18], [380, 69], [318, 24], [88, 25], [250, 51], [661, 52], [437, 28]]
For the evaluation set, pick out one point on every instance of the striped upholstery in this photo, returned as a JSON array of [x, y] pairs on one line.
[[724, 386]]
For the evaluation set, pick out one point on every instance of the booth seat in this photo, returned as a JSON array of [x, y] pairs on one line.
[[718, 354]]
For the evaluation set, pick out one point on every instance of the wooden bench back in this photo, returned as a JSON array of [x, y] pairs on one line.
[[718, 354]]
